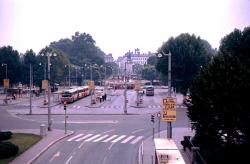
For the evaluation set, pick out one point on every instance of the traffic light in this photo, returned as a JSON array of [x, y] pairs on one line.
[[65, 105], [152, 118]]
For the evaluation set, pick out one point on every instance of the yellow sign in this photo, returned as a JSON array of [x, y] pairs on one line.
[[45, 84], [137, 85], [169, 109], [6, 83], [91, 84]]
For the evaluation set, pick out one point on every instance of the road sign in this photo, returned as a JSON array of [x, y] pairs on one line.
[[45, 84], [137, 85], [6, 83], [169, 109], [91, 84]]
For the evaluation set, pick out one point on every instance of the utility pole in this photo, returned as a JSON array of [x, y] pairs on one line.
[[125, 90], [49, 90], [69, 76], [169, 124], [30, 112]]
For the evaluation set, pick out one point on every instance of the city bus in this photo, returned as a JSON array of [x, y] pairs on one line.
[[150, 90]]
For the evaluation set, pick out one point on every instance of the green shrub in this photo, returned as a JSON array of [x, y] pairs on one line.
[[8, 149], [5, 135]]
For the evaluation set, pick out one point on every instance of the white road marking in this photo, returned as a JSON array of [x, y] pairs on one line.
[[84, 137], [79, 135], [137, 139], [99, 139], [91, 138], [118, 139], [127, 139], [138, 130], [111, 146], [81, 145], [108, 131], [54, 156], [78, 107], [110, 138], [68, 159]]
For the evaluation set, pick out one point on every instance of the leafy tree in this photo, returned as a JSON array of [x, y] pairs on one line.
[[189, 54], [10, 57], [152, 60], [30, 58], [220, 96], [137, 69], [149, 73], [80, 49]]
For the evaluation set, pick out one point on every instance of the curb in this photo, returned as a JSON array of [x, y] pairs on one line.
[[48, 146]]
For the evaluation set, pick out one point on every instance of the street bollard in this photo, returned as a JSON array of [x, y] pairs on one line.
[[42, 130]]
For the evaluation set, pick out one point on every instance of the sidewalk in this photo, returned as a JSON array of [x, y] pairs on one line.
[[149, 148], [36, 150]]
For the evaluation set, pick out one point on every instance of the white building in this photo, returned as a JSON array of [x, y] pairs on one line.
[[108, 58]]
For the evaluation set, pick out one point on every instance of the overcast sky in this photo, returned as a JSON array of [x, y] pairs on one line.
[[118, 26]]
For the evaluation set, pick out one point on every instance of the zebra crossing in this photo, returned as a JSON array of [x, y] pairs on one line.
[[105, 138]]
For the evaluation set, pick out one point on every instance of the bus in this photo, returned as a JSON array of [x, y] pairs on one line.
[[150, 90], [75, 94]]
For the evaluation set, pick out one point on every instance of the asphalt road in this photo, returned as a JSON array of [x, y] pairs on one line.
[[98, 139]]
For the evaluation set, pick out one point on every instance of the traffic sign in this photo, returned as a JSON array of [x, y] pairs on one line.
[[6, 83], [169, 109], [137, 85], [45, 84]]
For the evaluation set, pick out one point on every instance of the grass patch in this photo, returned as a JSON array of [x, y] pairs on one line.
[[24, 141]]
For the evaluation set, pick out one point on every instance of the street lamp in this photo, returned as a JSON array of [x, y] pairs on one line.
[[161, 54], [125, 90], [69, 73], [49, 54], [6, 69], [45, 101]]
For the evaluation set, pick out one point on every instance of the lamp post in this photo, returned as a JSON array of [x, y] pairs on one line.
[[6, 69], [69, 73], [30, 112], [6, 77], [45, 101], [169, 124], [125, 90], [49, 90]]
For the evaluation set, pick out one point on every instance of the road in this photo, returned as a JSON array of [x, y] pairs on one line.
[[104, 137]]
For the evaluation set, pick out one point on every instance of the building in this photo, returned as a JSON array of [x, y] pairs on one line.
[[108, 58], [132, 58]]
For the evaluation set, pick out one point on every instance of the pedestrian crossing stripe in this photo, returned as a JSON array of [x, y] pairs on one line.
[[84, 137], [106, 138], [110, 138]]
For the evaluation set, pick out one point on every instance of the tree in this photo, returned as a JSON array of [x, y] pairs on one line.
[[220, 96], [80, 49], [189, 54], [137, 69], [10, 57], [149, 73], [152, 60]]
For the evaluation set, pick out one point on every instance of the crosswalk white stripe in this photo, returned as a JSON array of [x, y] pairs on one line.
[[79, 135], [78, 107], [94, 137], [136, 140], [84, 137], [127, 139], [118, 139], [110, 138], [99, 139]]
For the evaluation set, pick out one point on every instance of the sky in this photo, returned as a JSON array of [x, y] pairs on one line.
[[118, 26]]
